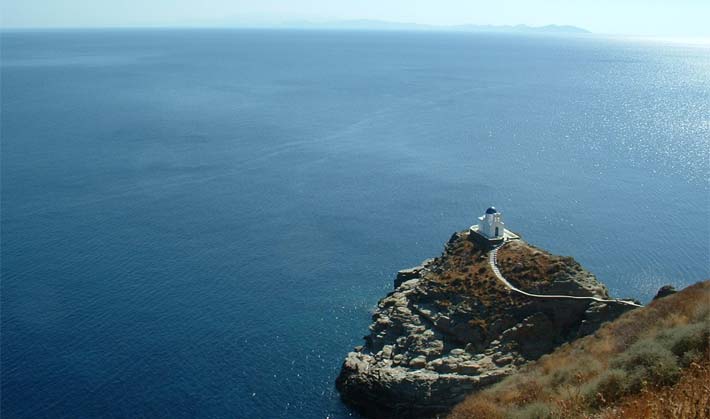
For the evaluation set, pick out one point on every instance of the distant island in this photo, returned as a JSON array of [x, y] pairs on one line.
[[382, 25], [365, 24]]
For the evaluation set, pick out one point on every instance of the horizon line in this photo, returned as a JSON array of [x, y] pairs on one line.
[[495, 29]]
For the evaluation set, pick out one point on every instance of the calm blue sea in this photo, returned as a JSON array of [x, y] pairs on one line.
[[197, 223]]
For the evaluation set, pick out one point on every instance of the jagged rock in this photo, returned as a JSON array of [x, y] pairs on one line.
[[418, 362], [406, 275], [534, 336], [502, 359], [469, 367], [665, 291], [450, 327]]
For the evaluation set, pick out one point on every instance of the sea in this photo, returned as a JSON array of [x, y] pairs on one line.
[[198, 223]]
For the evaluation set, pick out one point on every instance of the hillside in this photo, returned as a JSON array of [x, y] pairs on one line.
[[653, 362]]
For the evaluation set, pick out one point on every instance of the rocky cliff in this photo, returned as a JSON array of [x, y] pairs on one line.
[[450, 327]]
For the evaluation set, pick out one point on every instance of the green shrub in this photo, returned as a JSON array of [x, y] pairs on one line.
[[648, 363], [688, 338], [536, 410], [609, 387], [561, 377], [690, 357], [566, 375]]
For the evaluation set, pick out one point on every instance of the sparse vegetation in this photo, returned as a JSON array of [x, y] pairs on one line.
[[465, 271], [530, 268], [653, 350], [535, 410]]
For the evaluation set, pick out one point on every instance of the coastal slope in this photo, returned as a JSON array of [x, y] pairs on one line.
[[450, 327], [651, 363]]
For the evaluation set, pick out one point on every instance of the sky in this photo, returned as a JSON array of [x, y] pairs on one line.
[[679, 18]]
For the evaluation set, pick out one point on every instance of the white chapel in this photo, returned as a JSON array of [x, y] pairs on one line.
[[491, 224]]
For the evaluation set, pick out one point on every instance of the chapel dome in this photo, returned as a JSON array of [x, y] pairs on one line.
[[491, 210]]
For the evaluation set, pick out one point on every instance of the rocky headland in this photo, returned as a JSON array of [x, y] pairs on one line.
[[450, 327]]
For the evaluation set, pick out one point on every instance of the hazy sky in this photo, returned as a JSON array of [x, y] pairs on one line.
[[640, 17]]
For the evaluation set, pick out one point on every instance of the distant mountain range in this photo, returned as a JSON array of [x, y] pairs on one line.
[[384, 25]]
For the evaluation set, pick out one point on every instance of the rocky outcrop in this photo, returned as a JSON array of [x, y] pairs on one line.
[[665, 291], [450, 328]]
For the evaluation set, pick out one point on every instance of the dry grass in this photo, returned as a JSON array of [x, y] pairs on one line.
[[690, 398], [622, 366], [464, 270], [531, 268]]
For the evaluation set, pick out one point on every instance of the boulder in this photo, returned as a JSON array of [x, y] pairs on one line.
[[665, 291]]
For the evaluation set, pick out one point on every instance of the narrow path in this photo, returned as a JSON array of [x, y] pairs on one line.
[[493, 260]]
